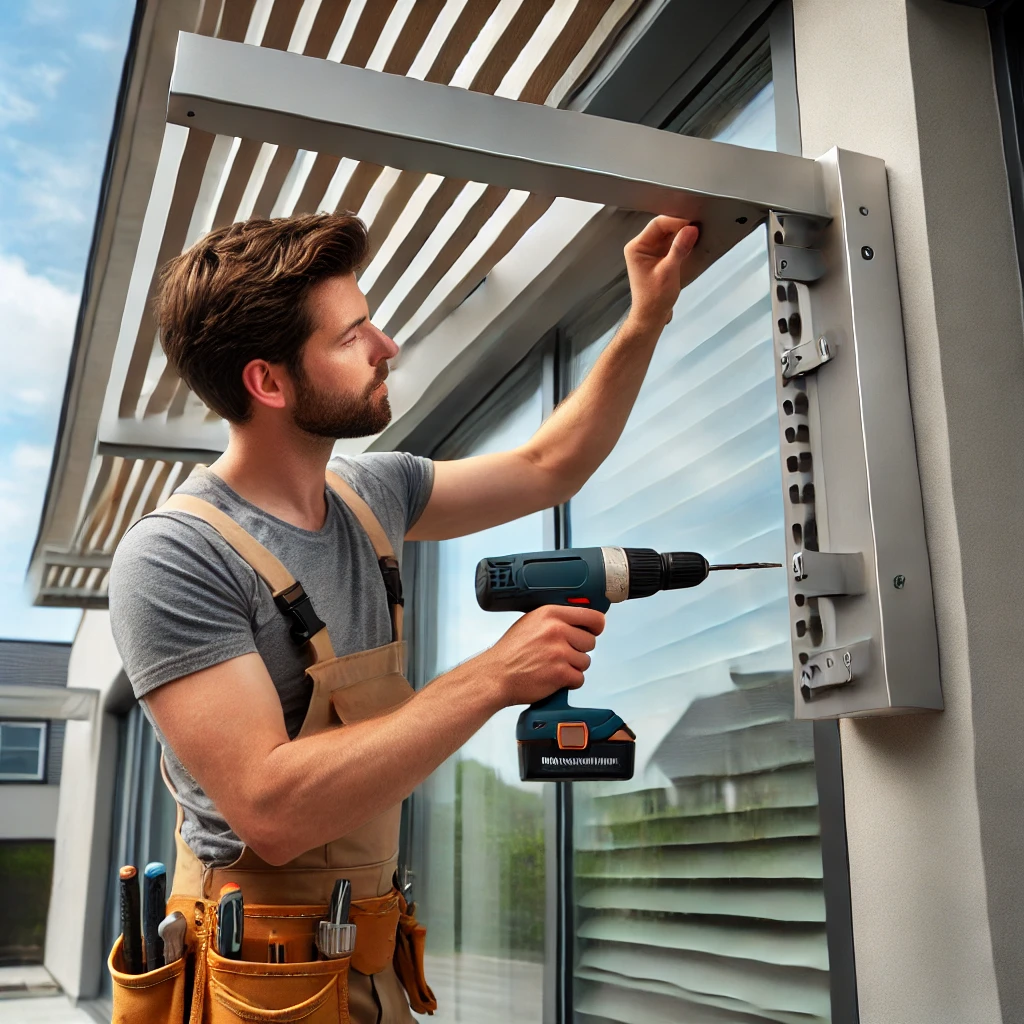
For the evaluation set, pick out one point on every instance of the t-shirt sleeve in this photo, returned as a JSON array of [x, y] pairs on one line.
[[388, 479], [180, 601]]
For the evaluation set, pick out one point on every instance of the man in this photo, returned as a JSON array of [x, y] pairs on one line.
[[289, 747]]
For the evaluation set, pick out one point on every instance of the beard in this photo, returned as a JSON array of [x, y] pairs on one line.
[[328, 414]]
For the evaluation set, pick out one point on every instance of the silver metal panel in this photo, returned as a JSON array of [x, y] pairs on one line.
[[285, 98], [849, 462]]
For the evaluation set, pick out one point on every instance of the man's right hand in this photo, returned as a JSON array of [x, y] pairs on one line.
[[545, 651]]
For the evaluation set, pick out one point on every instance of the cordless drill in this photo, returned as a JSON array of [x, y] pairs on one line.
[[558, 742]]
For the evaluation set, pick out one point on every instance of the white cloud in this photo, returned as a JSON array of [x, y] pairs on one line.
[[37, 324], [39, 11], [53, 190], [97, 41], [14, 107], [44, 78], [31, 456]]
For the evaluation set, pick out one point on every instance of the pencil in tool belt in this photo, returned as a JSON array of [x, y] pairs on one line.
[[154, 910], [230, 919], [131, 934]]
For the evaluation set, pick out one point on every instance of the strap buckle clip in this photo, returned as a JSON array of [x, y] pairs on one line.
[[392, 579], [295, 603]]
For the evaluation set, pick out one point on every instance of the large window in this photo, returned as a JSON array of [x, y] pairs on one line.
[[22, 751], [694, 891], [479, 832], [698, 883]]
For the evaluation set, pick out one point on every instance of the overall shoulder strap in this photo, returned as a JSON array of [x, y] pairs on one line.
[[286, 590], [381, 545]]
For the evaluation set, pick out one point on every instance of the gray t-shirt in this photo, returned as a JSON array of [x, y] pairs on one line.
[[182, 599]]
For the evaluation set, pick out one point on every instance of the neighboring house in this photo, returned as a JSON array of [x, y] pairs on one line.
[[31, 750], [757, 868]]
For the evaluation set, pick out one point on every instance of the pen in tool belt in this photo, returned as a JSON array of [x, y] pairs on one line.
[[131, 935], [335, 936], [154, 909], [172, 933], [230, 918]]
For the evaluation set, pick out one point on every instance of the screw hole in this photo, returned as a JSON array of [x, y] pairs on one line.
[[899, 582], [741, 220], [863, 211], [867, 252], [191, 113]]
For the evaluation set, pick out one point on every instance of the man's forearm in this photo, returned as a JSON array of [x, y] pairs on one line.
[[583, 430], [313, 789]]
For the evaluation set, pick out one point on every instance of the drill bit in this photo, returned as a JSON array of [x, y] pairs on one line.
[[747, 565]]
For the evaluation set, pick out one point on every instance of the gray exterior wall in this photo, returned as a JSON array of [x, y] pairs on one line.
[[29, 810], [932, 801]]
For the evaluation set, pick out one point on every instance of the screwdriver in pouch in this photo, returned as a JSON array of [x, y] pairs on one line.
[[556, 741], [131, 929], [154, 909], [230, 921], [335, 936]]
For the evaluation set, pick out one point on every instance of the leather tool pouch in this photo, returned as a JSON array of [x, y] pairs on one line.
[[216, 990], [411, 941], [150, 998]]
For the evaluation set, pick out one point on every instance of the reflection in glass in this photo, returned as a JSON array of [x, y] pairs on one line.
[[479, 850], [698, 883]]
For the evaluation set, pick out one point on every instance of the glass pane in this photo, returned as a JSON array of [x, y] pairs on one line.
[[20, 749], [479, 861], [698, 883]]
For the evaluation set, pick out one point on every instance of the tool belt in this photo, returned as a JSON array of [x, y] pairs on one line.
[[203, 987]]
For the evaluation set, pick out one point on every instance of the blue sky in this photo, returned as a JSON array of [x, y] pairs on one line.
[[60, 65]]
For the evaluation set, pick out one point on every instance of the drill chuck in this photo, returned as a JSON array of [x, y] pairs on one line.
[[650, 571]]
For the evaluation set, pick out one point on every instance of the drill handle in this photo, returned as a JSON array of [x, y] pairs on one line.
[[558, 700]]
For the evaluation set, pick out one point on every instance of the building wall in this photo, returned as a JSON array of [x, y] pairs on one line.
[[74, 932], [28, 811], [932, 801]]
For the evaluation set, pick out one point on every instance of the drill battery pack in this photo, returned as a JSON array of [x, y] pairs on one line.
[[559, 743]]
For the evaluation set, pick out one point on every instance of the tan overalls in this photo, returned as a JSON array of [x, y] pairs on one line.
[[284, 904]]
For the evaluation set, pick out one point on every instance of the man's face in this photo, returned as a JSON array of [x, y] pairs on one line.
[[340, 389]]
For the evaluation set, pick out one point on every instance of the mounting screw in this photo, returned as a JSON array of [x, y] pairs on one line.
[[863, 211], [899, 582], [783, 264], [741, 220], [191, 113], [867, 252]]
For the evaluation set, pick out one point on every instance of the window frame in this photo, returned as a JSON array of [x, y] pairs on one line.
[[44, 733]]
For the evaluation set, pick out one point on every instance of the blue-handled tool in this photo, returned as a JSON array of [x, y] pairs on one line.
[[558, 742], [154, 909]]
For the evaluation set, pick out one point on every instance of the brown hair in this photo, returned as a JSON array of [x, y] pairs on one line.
[[240, 294]]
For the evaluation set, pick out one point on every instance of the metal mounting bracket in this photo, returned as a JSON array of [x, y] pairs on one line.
[[863, 626], [831, 669], [804, 358], [822, 573]]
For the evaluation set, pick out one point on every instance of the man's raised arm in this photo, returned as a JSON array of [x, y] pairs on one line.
[[479, 492]]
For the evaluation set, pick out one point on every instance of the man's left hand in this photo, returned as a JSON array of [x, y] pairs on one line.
[[654, 263]]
